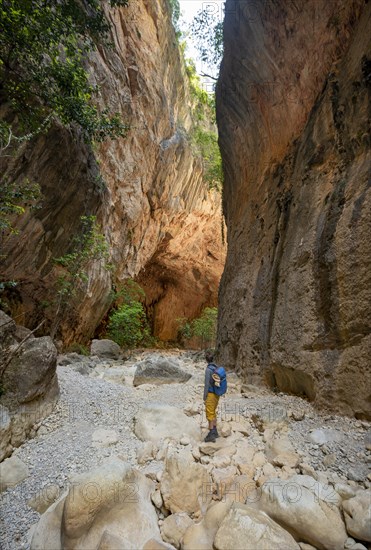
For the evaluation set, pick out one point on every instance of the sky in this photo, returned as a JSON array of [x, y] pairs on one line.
[[189, 8]]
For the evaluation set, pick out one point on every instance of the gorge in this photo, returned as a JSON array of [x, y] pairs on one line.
[[104, 445]]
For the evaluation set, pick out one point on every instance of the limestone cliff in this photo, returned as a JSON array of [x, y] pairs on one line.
[[146, 189], [293, 115]]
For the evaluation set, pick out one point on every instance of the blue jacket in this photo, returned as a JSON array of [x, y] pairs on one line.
[[208, 387]]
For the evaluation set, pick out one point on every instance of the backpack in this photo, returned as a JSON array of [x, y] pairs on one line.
[[219, 379]]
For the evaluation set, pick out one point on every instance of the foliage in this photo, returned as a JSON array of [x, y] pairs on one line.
[[207, 144], [184, 328], [203, 137], [43, 45], [203, 101], [128, 325], [86, 247], [4, 285], [14, 199], [208, 33], [129, 292], [203, 327], [175, 15]]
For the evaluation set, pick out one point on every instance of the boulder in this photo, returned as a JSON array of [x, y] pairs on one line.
[[225, 430], [174, 527], [224, 480], [220, 461], [153, 544], [290, 460], [106, 349], [22, 332], [306, 508], [245, 528], [30, 389], [155, 421], [201, 535], [159, 370], [12, 472], [7, 330], [110, 542], [345, 491], [113, 499], [220, 446], [279, 446], [259, 459], [31, 373], [241, 427], [44, 498], [357, 514], [243, 458], [156, 498], [185, 486]]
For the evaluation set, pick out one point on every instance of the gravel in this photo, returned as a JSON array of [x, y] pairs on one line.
[[63, 444]]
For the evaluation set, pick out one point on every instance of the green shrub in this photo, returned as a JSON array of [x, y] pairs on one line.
[[128, 325], [184, 329], [203, 327]]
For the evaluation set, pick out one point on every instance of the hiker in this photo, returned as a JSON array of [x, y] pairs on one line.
[[215, 386]]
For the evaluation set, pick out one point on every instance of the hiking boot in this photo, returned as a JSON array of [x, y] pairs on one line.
[[210, 438], [215, 432]]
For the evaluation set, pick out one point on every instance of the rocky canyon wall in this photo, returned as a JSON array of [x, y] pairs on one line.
[[293, 106], [147, 191]]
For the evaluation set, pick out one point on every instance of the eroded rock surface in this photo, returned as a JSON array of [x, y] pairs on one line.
[[157, 421], [292, 110], [112, 502], [28, 382], [161, 221]]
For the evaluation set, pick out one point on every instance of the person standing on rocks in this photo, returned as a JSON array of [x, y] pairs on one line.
[[211, 397]]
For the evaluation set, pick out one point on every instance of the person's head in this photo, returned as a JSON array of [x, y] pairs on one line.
[[209, 357]]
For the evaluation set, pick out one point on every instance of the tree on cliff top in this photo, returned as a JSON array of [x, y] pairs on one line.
[[43, 44], [207, 30]]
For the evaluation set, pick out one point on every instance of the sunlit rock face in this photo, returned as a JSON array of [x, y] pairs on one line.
[[158, 215], [292, 110]]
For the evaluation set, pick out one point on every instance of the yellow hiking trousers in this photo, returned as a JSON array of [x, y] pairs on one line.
[[211, 404]]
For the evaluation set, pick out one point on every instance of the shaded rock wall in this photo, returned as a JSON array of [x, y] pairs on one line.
[[146, 190], [29, 387], [293, 115]]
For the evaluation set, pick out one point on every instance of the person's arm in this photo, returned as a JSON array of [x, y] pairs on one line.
[[207, 382]]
